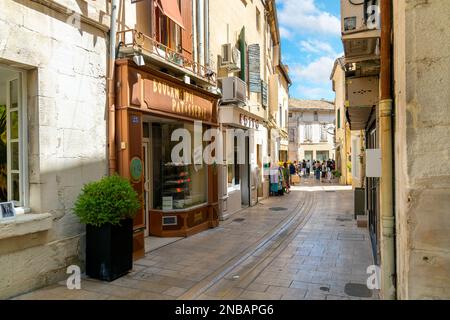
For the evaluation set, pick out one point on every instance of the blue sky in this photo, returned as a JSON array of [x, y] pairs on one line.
[[310, 42]]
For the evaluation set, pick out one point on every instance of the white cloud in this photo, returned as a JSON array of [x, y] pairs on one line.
[[314, 93], [317, 71], [307, 17], [317, 47], [285, 33]]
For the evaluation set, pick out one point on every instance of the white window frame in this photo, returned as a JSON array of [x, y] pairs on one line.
[[323, 133], [316, 116], [22, 206], [308, 132], [291, 135]]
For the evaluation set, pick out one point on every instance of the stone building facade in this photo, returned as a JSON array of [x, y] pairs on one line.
[[311, 130], [422, 134], [248, 30], [53, 89], [405, 118], [349, 143]]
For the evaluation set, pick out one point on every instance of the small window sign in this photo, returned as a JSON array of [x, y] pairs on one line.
[[167, 203], [7, 210], [169, 221]]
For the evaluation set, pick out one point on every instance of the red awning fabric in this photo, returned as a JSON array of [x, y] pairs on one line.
[[170, 9]]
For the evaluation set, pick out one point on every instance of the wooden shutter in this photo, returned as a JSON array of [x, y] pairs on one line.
[[254, 59], [186, 35]]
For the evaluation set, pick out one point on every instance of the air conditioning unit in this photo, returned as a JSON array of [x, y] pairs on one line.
[[234, 90], [355, 15], [231, 58], [362, 92]]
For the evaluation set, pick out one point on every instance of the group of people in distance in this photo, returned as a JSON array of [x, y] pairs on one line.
[[323, 171], [282, 175]]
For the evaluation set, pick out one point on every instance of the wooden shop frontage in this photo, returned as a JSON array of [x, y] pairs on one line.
[[179, 199]]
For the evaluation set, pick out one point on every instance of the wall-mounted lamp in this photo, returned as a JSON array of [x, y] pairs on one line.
[[139, 60]]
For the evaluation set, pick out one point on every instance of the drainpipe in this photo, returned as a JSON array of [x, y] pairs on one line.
[[194, 31], [206, 17], [388, 283], [201, 31], [111, 105]]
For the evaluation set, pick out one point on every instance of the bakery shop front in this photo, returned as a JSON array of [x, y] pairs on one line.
[[179, 198]]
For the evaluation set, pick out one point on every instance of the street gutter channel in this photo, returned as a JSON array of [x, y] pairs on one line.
[[277, 235]]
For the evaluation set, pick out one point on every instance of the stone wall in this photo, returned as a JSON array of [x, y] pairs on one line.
[[422, 149], [65, 67]]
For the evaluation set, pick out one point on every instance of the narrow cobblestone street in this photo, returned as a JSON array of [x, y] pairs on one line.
[[304, 245]]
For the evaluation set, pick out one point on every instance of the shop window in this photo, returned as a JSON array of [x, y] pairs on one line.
[[12, 182], [176, 185]]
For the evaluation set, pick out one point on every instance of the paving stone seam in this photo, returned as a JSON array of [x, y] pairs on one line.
[[275, 252], [238, 259]]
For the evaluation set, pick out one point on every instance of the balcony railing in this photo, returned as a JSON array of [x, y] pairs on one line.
[[139, 41]]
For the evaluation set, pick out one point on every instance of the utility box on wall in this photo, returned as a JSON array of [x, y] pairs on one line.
[[352, 17], [362, 92], [373, 163]]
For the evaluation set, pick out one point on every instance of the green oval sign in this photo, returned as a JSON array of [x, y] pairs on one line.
[[136, 169]]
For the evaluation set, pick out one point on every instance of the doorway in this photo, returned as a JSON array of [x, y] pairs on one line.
[[245, 178], [372, 196], [147, 184], [309, 155]]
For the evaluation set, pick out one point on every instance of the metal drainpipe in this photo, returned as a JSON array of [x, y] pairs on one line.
[[194, 31], [111, 105], [206, 17], [388, 285], [201, 31]]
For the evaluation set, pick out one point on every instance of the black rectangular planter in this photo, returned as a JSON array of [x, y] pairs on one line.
[[109, 250]]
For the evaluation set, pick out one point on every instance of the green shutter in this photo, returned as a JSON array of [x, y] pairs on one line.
[[254, 68], [339, 119], [242, 48]]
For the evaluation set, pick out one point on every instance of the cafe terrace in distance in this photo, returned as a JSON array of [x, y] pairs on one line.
[[178, 199]]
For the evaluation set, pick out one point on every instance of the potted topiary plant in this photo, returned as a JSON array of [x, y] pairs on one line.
[[107, 208]]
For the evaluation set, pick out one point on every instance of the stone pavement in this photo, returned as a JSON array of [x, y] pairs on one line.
[[304, 245]]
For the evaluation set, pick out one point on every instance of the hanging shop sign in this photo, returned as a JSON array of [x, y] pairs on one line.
[[163, 95], [136, 169], [248, 122]]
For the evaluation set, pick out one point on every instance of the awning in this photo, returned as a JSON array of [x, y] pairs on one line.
[[170, 9]]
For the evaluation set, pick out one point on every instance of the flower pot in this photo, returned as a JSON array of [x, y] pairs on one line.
[[109, 250]]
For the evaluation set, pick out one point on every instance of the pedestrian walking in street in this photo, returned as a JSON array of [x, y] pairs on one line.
[[308, 168], [329, 176], [317, 168], [293, 173], [287, 178], [324, 170]]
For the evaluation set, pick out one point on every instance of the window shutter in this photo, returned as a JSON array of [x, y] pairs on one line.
[[186, 35], [254, 54], [243, 49], [265, 100]]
